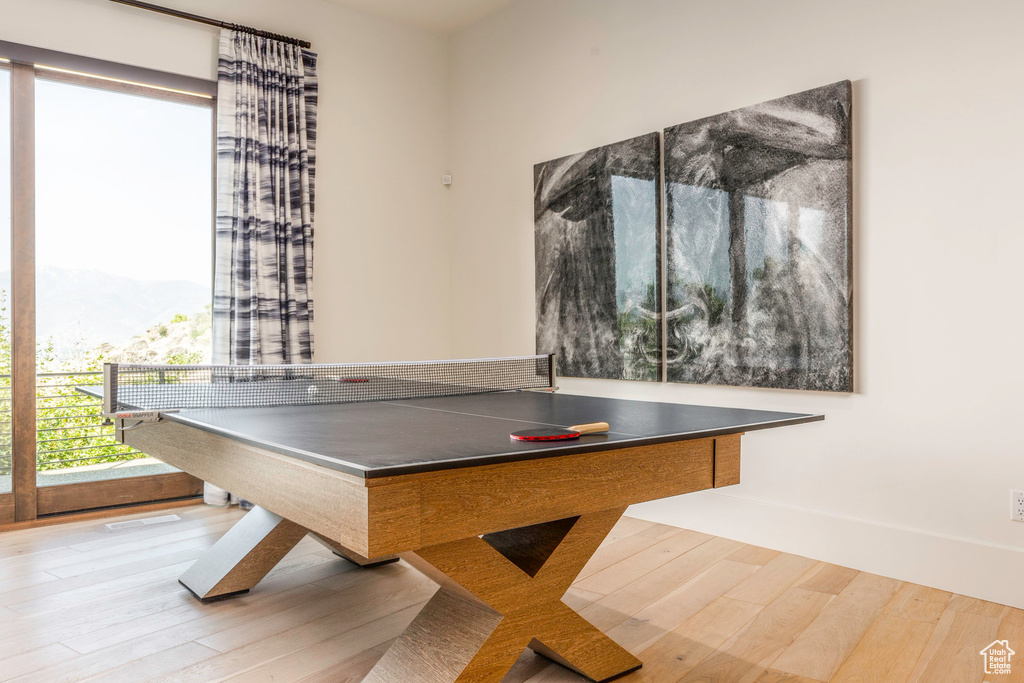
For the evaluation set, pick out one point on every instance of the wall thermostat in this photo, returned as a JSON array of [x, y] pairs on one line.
[[446, 180]]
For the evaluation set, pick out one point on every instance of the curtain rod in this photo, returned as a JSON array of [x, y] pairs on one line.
[[212, 22]]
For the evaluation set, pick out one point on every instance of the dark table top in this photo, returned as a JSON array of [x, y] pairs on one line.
[[418, 435]]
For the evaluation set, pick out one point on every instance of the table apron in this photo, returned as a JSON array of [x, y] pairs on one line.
[[407, 512], [330, 503]]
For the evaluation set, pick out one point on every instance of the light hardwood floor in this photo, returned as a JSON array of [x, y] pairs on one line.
[[79, 602]]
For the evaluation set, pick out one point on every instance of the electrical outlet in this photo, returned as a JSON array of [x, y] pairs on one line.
[[1017, 506]]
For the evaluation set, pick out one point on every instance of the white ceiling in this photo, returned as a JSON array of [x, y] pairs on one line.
[[443, 16]]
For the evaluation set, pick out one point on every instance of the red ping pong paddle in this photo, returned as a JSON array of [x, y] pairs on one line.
[[555, 434]]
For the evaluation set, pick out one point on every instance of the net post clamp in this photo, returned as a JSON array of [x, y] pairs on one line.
[[141, 417]]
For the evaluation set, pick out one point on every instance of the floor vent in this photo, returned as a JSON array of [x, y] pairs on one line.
[[115, 526]]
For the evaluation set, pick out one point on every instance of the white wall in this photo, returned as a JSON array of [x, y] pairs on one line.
[[910, 476], [382, 276]]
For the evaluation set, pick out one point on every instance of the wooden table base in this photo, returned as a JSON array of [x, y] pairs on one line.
[[249, 550], [499, 595]]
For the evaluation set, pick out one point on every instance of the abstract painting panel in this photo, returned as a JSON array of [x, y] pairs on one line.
[[597, 218], [758, 237]]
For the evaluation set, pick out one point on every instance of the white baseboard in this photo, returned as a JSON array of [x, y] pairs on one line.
[[974, 568]]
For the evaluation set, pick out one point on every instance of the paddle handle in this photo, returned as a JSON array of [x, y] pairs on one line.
[[591, 428]]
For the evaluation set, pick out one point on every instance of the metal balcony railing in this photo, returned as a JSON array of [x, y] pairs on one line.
[[69, 429]]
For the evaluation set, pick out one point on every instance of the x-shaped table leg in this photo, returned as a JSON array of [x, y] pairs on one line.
[[249, 550], [499, 595]]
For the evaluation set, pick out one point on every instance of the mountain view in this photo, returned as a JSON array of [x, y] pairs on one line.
[[81, 313]]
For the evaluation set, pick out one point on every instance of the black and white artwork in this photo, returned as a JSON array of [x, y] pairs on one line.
[[759, 248], [597, 218]]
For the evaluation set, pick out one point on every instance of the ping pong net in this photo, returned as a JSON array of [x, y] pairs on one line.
[[166, 387]]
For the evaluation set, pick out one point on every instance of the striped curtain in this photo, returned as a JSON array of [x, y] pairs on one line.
[[266, 141]]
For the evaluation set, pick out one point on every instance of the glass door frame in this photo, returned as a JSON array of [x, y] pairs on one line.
[[27, 501]]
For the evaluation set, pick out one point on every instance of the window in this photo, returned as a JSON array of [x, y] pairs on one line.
[[5, 283], [123, 256], [122, 265]]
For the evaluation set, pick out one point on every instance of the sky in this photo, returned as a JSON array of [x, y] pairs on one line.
[[123, 183], [5, 167], [123, 186]]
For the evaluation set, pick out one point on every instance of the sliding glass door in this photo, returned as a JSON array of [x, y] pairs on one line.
[[6, 470], [115, 265]]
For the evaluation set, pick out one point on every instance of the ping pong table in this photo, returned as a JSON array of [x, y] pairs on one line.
[[380, 461]]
